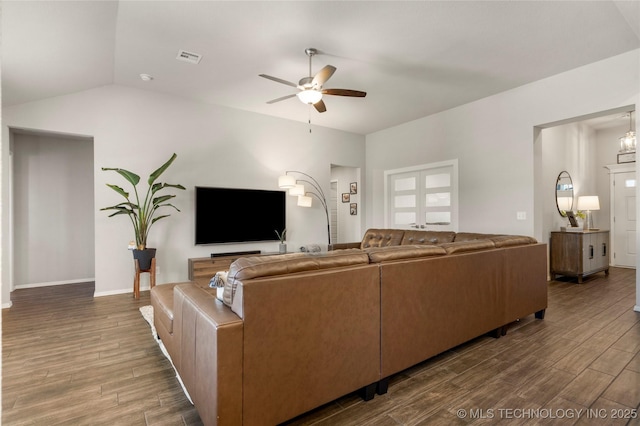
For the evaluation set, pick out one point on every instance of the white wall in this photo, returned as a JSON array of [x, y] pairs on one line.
[[570, 148], [52, 210], [349, 226], [493, 139], [138, 130]]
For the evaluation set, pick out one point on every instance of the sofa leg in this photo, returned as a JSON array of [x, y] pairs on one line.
[[382, 386], [496, 333], [540, 314], [504, 329], [368, 392]]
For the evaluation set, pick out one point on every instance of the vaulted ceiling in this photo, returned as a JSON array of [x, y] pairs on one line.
[[413, 58]]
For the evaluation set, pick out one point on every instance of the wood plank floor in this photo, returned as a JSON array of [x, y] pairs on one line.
[[71, 359]]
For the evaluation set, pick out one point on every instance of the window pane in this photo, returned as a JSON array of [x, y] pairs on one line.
[[437, 181], [405, 201], [405, 184], [438, 218], [405, 218], [438, 199]]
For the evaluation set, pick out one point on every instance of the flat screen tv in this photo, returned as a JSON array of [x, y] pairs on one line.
[[232, 215]]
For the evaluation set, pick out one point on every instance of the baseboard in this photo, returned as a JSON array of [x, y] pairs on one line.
[[636, 308], [121, 291], [50, 283], [7, 305]]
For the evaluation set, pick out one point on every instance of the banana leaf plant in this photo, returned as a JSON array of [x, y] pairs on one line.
[[142, 213]]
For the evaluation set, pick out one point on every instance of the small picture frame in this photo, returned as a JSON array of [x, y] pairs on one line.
[[346, 197], [572, 219], [626, 157], [353, 188], [353, 209]]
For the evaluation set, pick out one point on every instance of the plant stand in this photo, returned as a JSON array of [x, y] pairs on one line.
[[136, 279]]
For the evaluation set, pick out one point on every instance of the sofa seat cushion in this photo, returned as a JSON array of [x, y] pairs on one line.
[[381, 254], [246, 268], [465, 246], [427, 237], [162, 301], [382, 238], [512, 240]]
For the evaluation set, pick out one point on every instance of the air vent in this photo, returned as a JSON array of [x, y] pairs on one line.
[[190, 57]]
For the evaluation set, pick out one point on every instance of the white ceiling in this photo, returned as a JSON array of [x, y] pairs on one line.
[[412, 58]]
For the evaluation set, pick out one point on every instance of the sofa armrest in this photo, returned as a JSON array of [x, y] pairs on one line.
[[211, 354]]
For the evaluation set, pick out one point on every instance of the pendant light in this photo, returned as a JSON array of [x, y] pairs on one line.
[[628, 141]]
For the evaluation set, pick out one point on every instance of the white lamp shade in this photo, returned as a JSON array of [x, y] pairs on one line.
[[304, 201], [588, 202], [298, 190], [286, 181], [309, 96]]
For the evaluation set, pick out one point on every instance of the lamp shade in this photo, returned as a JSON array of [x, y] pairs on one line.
[[286, 181], [309, 96], [297, 189], [588, 202], [304, 201]]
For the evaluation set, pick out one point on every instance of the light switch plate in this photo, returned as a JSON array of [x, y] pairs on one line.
[[521, 215]]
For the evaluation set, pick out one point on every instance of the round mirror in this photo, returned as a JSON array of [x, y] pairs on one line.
[[564, 193]]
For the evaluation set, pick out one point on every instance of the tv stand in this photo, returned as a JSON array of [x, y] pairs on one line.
[[236, 253], [202, 269]]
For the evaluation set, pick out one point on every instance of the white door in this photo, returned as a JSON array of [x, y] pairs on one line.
[[423, 198], [624, 219]]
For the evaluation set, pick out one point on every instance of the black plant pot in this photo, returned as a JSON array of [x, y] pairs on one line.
[[144, 257]]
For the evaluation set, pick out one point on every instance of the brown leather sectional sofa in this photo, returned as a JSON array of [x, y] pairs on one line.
[[298, 330]]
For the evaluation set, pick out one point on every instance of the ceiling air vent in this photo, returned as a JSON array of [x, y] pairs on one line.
[[190, 57]]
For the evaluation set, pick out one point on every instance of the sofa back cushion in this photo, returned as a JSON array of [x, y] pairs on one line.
[[512, 240], [465, 246], [470, 236], [381, 254], [427, 237], [382, 238], [246, 268]]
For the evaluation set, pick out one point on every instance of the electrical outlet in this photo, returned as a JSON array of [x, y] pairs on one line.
[[521, 215]]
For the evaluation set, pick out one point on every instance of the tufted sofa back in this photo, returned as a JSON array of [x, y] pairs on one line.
[[382, 238]]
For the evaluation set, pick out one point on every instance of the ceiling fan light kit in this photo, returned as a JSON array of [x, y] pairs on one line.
[[310, 87], [309, 96]]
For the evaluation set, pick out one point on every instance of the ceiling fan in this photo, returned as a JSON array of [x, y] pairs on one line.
[[310, 89]]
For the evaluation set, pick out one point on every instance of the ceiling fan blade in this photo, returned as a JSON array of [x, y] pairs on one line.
[[344, 92], [320, 106], [323, 75], [273, 101], [278, 80]]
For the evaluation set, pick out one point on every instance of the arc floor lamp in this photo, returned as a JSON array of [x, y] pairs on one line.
[[297, 188]]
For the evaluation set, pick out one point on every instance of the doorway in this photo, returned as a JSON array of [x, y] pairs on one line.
[[52, 216], [587, 148]]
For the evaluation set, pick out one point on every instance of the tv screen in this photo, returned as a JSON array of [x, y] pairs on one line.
[[232, 215]]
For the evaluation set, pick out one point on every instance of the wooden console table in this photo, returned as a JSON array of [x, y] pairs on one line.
[[577, 254], [202, 269]]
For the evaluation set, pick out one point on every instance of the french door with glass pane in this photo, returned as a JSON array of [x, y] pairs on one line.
[[425, 197]]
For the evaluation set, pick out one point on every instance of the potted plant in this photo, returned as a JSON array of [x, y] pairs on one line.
[[142, 212], [282, 236]]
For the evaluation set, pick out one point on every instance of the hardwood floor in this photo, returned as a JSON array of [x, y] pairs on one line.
[[71, 359]]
